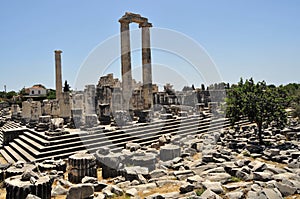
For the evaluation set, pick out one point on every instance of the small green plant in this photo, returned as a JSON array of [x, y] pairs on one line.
[[246, 153], [129, 165], [268, 143], [235, 179], [200, 191]]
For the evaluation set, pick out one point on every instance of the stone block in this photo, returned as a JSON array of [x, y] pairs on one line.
[[169, 152], [80, 191]]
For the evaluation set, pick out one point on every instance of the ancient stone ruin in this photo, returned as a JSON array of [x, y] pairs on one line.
[[123, 139]]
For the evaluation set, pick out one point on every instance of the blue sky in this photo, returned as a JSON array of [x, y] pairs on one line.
[[259, 39]]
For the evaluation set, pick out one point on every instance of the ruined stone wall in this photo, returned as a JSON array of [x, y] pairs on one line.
[[26, 110], [64, 105]]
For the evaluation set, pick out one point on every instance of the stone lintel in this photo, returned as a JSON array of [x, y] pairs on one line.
[[131, 17]]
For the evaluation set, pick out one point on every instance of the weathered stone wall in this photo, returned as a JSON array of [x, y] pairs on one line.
[[46, 107], [64, 105], [89, 99], [55, 109], [26, 110]]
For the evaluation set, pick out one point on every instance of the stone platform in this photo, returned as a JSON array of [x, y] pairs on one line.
[[31, 145]]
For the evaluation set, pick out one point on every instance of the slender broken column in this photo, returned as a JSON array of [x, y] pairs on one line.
[[126, 63], [58, 73], [146, 61]]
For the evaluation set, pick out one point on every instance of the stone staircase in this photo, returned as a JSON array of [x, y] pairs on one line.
[[36, 146]]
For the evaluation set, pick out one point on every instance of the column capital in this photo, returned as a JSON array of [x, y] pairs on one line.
[[57, 51], [124, 20], [145, 24]]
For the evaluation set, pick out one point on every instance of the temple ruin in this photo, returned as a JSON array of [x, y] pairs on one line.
[[126, 59]]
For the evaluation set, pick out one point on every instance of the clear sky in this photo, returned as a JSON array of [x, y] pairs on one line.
[[252, 38]]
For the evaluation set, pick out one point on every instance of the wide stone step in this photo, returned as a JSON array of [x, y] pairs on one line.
[[11, 125], [32, 151], [148, 139], [160, 124], [7, 156], [163, 130], [52, 138], [62, 155], [22, 153], [115, 146], [100, 140], [13, 154], [40, 149], [189, 130], [38, 146], [38, 139], [66, 149], [66, 140], [32, 143]]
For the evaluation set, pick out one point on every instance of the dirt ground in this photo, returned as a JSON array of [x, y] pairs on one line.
[[2, 160]]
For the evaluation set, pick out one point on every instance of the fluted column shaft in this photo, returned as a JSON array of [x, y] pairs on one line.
[[126, 64], [58, 77], [146, 61]]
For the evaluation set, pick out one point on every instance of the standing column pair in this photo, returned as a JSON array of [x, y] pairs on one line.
[[126, 64]]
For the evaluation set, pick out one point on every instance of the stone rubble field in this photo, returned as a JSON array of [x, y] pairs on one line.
[[228, 163]]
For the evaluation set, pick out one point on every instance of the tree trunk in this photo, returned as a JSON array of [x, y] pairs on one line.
[[260, 133]]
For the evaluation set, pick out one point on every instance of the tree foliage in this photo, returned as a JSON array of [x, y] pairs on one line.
[[260, 103], [51, 94], [293, 91], [66, 87], [22, 92], [10, 94], [2, 94]]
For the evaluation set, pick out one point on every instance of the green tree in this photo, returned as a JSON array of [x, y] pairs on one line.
[[260, 103], [296, 112], [2, 94], [293, 99], [51, 94], [67, 87], [10, 94], [234, 103], [22, 92]]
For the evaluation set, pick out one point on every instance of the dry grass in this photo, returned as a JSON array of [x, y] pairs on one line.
[[2, 193], [161, 190], [279, 165], [99, 174], [276, 164], [59, 197], [197, 156], [2, 160], [297, 196]]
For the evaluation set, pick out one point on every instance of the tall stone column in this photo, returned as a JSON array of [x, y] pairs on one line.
[[126, 63], [58, 74], [146, 61]]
